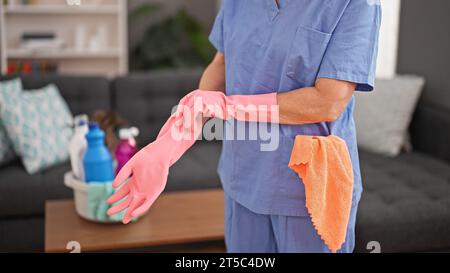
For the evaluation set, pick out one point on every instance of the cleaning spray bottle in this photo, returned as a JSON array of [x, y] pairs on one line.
[[78, 145], [98, 163], [127, 146]]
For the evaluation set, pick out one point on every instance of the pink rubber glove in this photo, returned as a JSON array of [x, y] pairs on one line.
[[214, 104], [251, 108], [144, 177]]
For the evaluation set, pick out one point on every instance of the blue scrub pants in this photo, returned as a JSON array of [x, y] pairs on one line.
[[246, 231]]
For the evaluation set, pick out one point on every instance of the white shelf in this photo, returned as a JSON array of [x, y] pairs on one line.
[[61, 9], [57, 17], [62, 54]]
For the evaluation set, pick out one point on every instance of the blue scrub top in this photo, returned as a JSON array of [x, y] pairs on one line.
[[279, 48]]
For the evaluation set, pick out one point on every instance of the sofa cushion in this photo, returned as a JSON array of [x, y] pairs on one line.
[[406, 203], [383, 117], [6, 149], [197, 169], [146, 100], [430, 131], [83, 94], [39, 126], [25, 195]]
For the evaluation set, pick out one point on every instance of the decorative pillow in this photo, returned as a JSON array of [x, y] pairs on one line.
[[382, 117], [38, 124], [6, 150]]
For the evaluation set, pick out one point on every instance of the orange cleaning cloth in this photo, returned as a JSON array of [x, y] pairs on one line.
[[325, 167]]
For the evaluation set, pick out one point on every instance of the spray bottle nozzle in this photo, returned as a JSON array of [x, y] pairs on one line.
[[128, 133]]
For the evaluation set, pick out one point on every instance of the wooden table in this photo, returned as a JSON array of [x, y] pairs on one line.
[[175, 219]]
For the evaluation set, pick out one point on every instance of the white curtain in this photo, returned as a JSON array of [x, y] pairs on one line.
[[387, 56]]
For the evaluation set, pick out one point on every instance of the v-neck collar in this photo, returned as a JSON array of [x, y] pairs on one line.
[[274, 8]]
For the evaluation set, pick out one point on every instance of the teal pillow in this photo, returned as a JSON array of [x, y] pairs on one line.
[[6, 149], [38, 124]]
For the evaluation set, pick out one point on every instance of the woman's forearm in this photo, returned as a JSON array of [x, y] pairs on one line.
[[323, 102], [213, 78], [326, 101]]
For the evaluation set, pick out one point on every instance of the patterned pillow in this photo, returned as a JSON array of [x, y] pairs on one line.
[[38, 124], [6, 150]]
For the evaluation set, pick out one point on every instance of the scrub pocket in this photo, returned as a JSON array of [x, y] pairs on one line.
[[306, 54]]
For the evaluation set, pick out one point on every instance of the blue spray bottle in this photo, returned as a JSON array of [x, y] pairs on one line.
[[98, 163]]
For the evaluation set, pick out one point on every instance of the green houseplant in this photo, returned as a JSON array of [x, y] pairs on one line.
[[177, 41]]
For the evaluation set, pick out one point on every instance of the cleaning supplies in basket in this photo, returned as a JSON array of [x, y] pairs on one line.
[[93, 169], [98, 162]]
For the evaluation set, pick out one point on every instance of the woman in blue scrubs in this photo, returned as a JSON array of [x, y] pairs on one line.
[[315, 54]]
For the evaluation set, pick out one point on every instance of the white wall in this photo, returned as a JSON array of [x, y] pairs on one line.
[[387, 55]]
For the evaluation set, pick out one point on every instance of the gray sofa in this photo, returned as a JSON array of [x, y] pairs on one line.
[[405, 206]]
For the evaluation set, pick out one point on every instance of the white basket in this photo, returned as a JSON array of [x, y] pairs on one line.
[[80, 190]]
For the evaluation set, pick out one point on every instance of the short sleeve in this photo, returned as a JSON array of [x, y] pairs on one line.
[[216, 36], [352, 52]]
